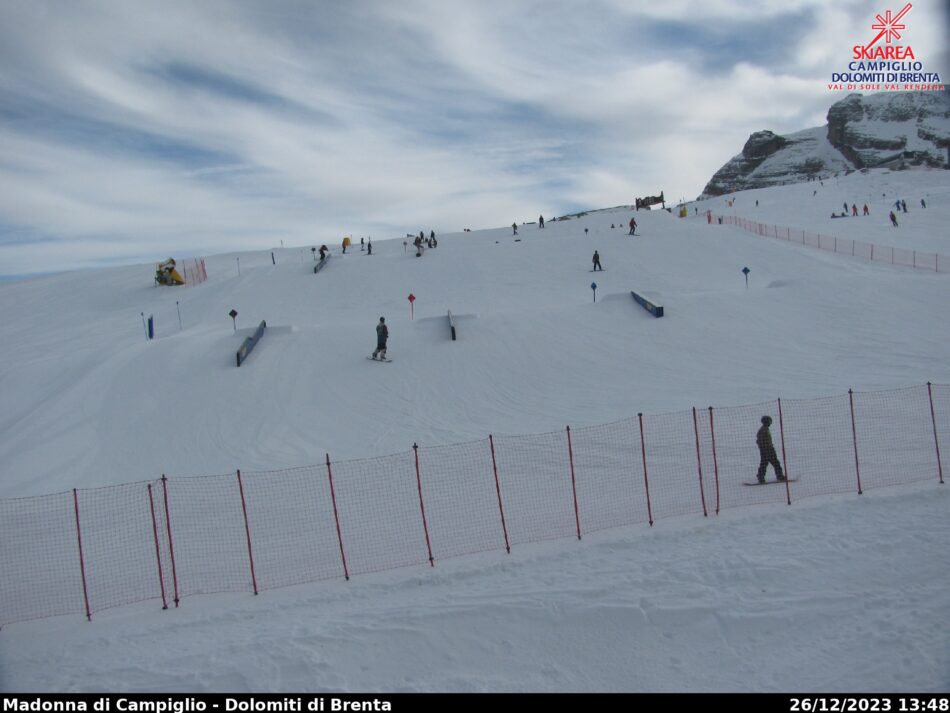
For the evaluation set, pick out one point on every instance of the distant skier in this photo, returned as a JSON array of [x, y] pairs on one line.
[[904, 205], [540, 222], [382, 335], [432, 235], [362, 244], [633, 226], [514, 227], [866, 211], [923, 203], [596, 261], [369, 248], [323, 252], [893, 219], [767, 455], [854, 210]]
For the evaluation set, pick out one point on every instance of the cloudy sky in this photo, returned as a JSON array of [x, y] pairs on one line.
[[131, 130]]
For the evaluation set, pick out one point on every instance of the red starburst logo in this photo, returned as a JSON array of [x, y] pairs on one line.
[[889, 26]]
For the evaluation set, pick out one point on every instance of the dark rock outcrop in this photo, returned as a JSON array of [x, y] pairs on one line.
[[897, 129]]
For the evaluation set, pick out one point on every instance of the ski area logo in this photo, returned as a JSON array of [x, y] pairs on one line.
[[889, 30], [883, 64]]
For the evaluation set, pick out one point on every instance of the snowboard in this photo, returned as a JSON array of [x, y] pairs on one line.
[[371, 359], [596, 271], [771, 482]]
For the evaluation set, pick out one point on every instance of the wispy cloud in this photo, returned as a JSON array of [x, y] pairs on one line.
[[131, 130]]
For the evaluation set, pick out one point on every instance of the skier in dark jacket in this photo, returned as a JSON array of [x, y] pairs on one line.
[[767, 455], [596, 261], [382, 335]]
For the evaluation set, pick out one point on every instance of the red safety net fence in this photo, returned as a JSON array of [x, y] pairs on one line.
[[845, 246], [92, 549], [194, 271]]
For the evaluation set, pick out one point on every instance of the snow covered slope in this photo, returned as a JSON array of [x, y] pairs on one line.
[[836, 593]]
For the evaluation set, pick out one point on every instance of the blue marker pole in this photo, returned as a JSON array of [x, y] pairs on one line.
[[593, 286]]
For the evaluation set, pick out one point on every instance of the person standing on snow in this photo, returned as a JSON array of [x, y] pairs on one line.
[[514, 227], [382, 335], [767, 455], [540, 222], [893, 219], [596, 261], [633, 226]]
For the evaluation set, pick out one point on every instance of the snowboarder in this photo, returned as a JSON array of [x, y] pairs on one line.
[[596, 261], [382, 334], [514, 227], [893, 219], [362, 244], [432, 235], [633, 226], [904, 205], [540, 222], [866, 211], [923, 203], [763, 439], [323, 252], [854, 210], [369, 248]]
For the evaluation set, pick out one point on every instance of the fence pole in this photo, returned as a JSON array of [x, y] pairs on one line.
[[570, 456], [336, 517], [501, 510], [247, 531], [781, 433], [933, 420], [422, 507], [82, 560], [854, 436], [712, 433], [646, 482], [699, 464], [158, 554], [171, 547]]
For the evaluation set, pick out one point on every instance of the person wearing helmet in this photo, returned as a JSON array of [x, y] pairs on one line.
[[767, 455], [382, 334]]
